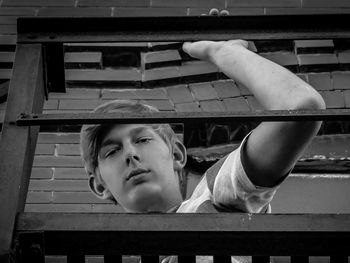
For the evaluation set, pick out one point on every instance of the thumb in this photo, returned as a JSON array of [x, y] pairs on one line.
[[186, 46]]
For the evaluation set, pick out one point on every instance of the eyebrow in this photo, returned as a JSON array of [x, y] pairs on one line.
[[132, 132]]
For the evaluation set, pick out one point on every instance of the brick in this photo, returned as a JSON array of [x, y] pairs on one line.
[[233, 11], [41, 173], [320, 81], [17, 11], [45, 149], [187, 107], [160, 73], [203, 91], [77, 198], [105, 75], [5, 73], [325, 3], [236, 104], [162, 105], [161, 56], [197, 68], [333, 99], [59, 185], [300, 11], [254, 104], [56, 259], [115, 3], [39, 197], [194, 3], [149, 94], [314, 46], [265, 3], [180, 94], [346, 94], [75, 12], [119, 94], [79, 104], [344, 57], [38, 3], [83, 59], [8, 20], [281, 58], [67, 208], [8, 39], [317, 62], [68, 149], [226, 88], [212, 105], [304, 77], [51, 104], [144, 12], [8, 29], [57, 161], [74, 93], [243, 89], [107, 208], [341, 80], [70, 173]]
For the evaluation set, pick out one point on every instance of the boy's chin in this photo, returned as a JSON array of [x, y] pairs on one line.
[[147, 198]]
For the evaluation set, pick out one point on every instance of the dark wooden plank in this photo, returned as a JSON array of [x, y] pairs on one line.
[[187, 259], [182, 28], [54, 67], [339, 259], [17, 145], [75, 258], [299, 259], [222, 259], [113, 259], [31, 248], [188, 234], [149, 259], [182, 117], [260, 259]]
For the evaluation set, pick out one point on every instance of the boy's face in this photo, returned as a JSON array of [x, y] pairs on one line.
[[137, 167]]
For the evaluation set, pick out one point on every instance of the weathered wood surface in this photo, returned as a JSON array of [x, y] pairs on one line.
[[17, 145], [34, 30]]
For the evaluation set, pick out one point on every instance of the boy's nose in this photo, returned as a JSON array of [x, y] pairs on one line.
[[131, 155]]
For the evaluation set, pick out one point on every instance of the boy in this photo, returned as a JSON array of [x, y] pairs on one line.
[[139, 166]]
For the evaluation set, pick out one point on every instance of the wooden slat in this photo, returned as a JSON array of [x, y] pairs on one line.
[[128, 29], [186, 259], [17, 144], [182, 117], [75, 258], [299, 259], [339, 259], [222, 259], [113, 259], [261, 259], [149, 259], [188, 234]]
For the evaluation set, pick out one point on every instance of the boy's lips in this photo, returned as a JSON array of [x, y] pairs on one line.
[[136, 172]]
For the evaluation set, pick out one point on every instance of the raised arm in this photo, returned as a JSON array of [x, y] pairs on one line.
[[272, 148]]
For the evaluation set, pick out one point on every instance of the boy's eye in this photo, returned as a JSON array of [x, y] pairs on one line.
[[143, 140], [111, 152]]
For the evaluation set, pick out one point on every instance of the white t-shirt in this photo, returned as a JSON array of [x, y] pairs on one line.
[[225, 187]]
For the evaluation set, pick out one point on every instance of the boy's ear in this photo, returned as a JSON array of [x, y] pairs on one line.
[[180, 156], [98, 187]]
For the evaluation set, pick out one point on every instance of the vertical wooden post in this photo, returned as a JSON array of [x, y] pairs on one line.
[[17, 144]]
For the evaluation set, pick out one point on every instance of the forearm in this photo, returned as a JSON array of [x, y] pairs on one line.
[[273, 86]]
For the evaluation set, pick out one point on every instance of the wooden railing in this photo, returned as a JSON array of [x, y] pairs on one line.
[[38, 69]]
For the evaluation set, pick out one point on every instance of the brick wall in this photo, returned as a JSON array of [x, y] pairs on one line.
[[162, 76]]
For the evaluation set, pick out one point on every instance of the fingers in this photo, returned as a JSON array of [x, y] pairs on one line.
[[216, 12]]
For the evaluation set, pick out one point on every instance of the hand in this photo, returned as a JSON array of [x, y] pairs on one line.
[[205, 50]]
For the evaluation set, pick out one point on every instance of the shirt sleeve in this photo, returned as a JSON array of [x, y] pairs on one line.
[[233, 190]]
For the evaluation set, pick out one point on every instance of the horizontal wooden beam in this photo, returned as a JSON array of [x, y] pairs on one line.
[[128, 29], [182, 117], [189, 234]]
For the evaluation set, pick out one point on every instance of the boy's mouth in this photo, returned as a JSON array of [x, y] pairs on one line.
[[136, 172]]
